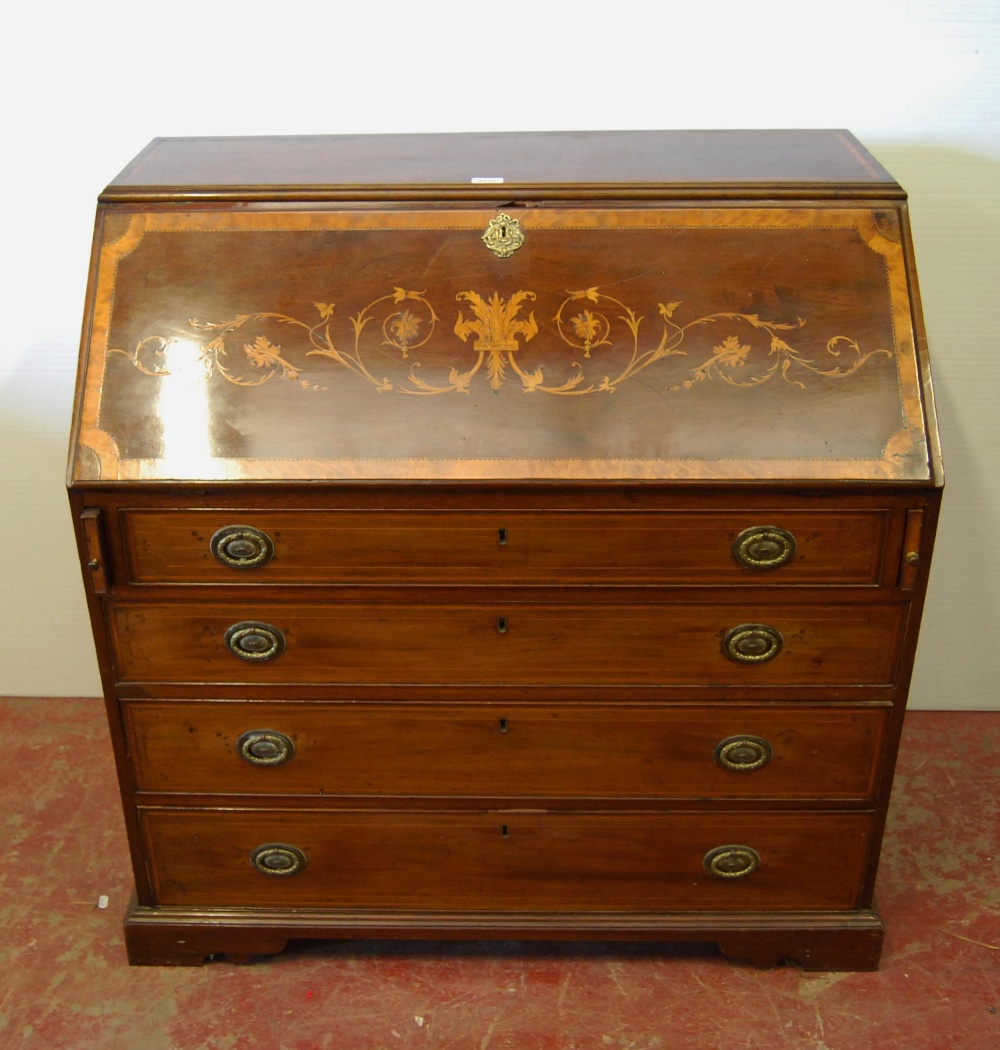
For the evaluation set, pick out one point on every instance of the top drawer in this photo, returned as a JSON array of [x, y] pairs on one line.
[[544, 547]]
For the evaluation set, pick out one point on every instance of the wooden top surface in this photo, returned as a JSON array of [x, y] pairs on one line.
[[783, 163]]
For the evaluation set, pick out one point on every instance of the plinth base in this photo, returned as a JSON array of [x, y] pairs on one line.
[[813, 941]]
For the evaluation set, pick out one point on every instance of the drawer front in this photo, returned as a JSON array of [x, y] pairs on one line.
[[505, 861], [526, 751], [555, 547], [509, 644]]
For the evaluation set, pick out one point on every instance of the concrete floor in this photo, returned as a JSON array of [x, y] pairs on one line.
[[64, 982]]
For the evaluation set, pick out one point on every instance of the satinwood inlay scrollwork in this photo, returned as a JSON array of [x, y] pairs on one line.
[[607, 336]]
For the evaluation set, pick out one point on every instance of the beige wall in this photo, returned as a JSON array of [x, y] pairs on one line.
[[955, 213], [917, 81]]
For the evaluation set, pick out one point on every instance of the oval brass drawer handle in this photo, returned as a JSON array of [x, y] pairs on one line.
[[241, 547], [752, 643], [277, 858], [764, 547], [265, 747], [743, 753], [732, 862], [251, 640]]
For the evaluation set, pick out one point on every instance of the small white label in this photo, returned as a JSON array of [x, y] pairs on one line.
[[486, 178], [102, 901]]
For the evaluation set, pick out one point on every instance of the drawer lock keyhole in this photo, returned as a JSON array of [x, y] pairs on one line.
[[501, 625]]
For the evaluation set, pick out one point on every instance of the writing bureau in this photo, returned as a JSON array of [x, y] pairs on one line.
[[515, 535]]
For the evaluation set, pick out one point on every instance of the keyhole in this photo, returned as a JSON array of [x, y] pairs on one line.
[[503, 231], [503, 725], [504, 831], [501, 624], [502, 537]]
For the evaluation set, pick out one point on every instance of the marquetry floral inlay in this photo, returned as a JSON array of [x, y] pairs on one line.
[[740, 349]]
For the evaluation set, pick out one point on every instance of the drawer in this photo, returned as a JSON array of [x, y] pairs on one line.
[[527, 751], [508, 644], [553, 547], [512, 862]]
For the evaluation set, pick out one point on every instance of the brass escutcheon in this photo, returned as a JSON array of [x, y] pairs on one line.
[[732, 862], [241, 547], [265, 747], [743, 753], [251, 640], [764, 547], [752, 643], [503, 236], [277, 858]]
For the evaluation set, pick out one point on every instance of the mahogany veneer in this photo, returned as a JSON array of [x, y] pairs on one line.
[[537, 751], [502, 535]]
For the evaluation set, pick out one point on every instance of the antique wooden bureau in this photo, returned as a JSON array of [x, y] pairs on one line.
[[514, 536]]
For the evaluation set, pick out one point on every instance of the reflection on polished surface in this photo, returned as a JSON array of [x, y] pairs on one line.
[[182, 406], [643, 343], [534, 682]]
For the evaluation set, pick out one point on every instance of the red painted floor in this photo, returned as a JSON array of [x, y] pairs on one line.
[[64, 982]]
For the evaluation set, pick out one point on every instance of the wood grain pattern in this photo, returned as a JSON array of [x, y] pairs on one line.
[[354, 358], [532, 165], [502, 491], [547, 862], [542, 644], [435, 547], [813, 940], [472, 750]]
